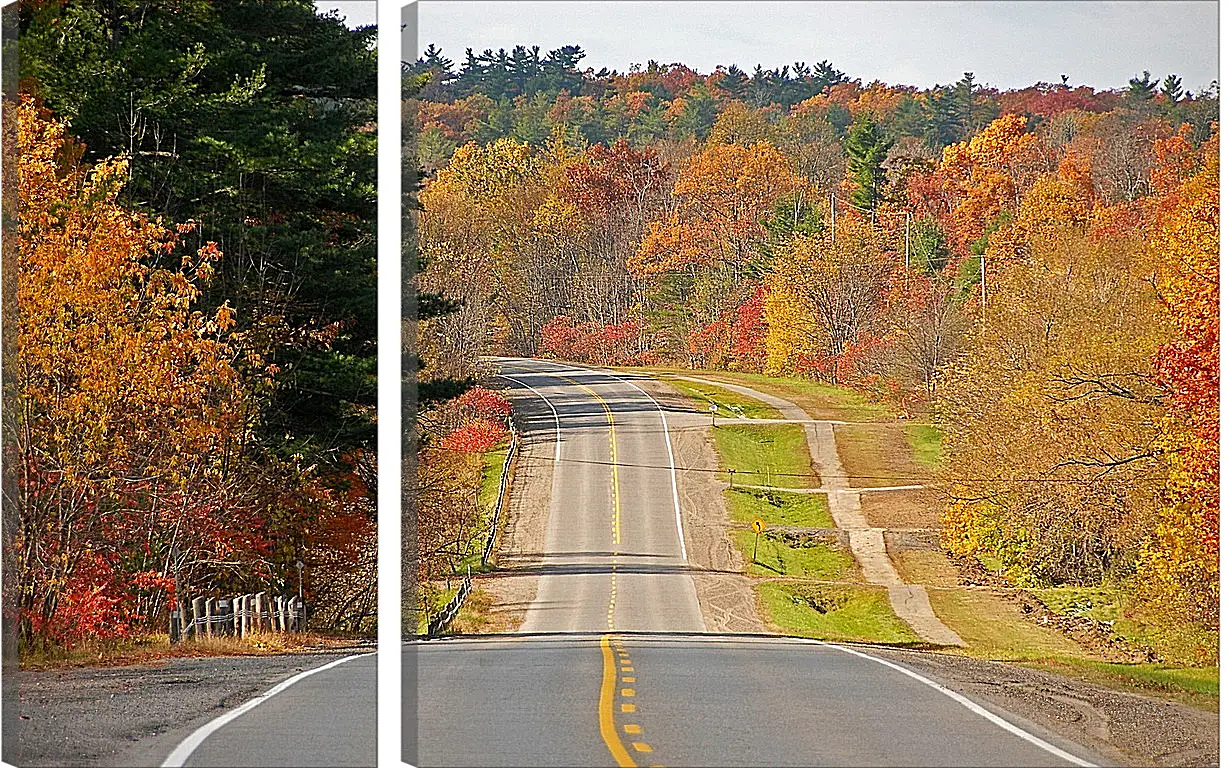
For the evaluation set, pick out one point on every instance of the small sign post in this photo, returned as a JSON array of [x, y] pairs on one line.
[[712, 409], [731, 471], [758, 525]]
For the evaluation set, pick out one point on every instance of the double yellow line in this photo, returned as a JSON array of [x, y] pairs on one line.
[[613, 679]]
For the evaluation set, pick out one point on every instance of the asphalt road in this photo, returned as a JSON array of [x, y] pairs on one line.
[[612, 666], [325, 718], [149, 714]]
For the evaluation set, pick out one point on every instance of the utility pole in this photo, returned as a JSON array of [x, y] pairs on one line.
[[832, 214], [983, 291], [908, 221]]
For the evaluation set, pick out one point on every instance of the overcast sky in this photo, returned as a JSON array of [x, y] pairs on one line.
[[356, 13], [1007, 44]]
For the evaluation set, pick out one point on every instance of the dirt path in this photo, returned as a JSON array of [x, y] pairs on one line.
[[909, 601]]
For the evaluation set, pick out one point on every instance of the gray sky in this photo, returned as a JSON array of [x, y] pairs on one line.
[[356, 13], [1007, 44]]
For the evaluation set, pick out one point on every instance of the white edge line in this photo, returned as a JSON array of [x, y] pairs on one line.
[[558, 441], [968, 704], [186, 747], [674, 486]]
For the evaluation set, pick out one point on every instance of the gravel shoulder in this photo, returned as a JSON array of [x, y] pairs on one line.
[[135, 715], [1129, 728]]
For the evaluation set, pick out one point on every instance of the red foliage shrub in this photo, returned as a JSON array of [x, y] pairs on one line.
[[477, 436], [589, 342]]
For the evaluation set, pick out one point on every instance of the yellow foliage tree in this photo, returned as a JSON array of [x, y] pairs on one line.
[[129, 411]]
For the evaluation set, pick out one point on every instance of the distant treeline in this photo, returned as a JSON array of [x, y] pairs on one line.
[[526, 95]]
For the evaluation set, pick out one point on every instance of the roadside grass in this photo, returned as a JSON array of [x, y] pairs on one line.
[[802, 510], [490, 465], [833, 612], [820, 400], [927, 443], [926, 567], [729, 404], [776, 557], [766, 454], [475, 616], [880, 455], [1181, 644], [995, 629], [149, 647]]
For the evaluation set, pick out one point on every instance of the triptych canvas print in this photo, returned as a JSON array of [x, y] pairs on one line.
[[582, 383]]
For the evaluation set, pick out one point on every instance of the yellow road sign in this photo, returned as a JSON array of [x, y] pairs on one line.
[[758, 525]]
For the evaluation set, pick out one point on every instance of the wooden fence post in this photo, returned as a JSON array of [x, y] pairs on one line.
[[173, 630], [209, 610], [262, 611], [224, 619], [183, 619], [198, 610]]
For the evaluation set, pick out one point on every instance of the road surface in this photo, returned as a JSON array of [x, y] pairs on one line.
[[613, 666], [325, 716]]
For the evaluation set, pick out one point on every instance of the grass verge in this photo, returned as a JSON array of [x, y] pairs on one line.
[[820, 400], [927, 444], [1181, 644], [833, 612], [766, 454], [776, 556], [729, 404], [995, 630], [146, 648], [801, 510]]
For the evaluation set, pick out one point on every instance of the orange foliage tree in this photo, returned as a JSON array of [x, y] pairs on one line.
[[131, 418], [1180, 563], [723, 194]]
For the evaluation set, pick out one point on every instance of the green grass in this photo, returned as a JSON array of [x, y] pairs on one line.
[[819, 399], [927, 444], [803, 510], [995, 630], [492, 466], [729, 404], [1185, 645], [766, 454], [488, 493], [775, 557], [834, 612]]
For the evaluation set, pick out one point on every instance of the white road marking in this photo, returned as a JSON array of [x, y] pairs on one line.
[[665, 426], [189, 745], [558, 441], [674, 486], [968, 704]]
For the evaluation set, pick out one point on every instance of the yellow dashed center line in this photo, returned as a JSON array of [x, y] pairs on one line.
[[610, 644]]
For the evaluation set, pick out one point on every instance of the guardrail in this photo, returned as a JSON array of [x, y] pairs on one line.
[[237, 616], [505, 478], [442, 619]]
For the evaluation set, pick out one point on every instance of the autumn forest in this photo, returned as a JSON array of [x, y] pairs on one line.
[[1033, 271], [193, 408]]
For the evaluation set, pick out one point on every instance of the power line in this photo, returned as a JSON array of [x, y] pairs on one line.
[[912, 479]]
